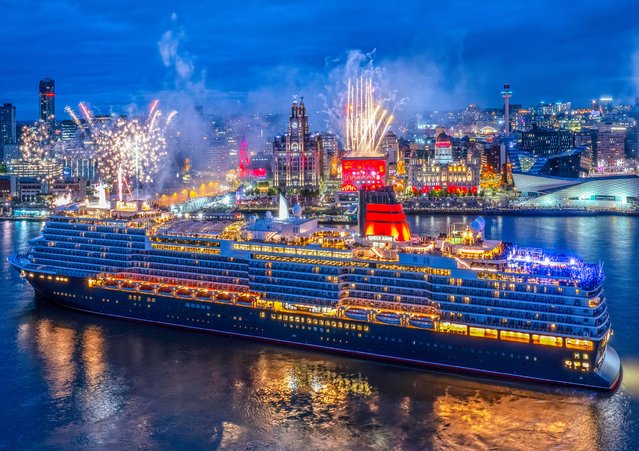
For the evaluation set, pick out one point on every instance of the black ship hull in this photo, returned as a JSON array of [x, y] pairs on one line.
[[406, 345]]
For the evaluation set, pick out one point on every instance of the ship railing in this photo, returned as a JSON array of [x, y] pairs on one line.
[[190, 283], [392, 306]]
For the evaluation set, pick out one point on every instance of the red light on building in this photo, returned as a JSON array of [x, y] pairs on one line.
[[50, 94], [363, 173]]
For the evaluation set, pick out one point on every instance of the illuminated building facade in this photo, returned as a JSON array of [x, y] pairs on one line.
[[617, 192], [442, 173], [296, 161], [47, 102], [610, 145], [246, 169], [329, 154], [366, 173], [543, 142], [564, 164], [390, 147]]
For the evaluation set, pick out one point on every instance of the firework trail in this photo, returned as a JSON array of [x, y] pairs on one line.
[[366, 121], [134, 147]]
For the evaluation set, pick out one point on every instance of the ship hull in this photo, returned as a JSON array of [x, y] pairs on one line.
[[405, 345]]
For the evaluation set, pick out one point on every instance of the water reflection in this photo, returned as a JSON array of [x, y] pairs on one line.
[[113, 384], [485, 421]]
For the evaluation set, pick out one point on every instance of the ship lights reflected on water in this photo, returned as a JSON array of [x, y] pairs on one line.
[[261, 396]]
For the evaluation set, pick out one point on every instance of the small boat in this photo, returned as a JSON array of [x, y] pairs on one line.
[[184, 293], [128, 286], [357, 313], [148, 288], [224, 297], [388, 317], [204, 295], [245, 300], [165, 290], [110, 283], [423, 322]]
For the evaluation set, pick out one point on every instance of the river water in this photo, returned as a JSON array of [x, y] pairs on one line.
[[70, 380]]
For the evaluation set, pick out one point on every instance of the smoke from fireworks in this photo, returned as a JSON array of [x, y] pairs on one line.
[[366, 121], [135, 147]]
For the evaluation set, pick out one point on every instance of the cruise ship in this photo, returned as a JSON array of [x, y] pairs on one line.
[[454, 302]]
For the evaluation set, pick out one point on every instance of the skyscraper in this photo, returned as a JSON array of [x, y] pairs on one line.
[[7, 127], [47, 102]]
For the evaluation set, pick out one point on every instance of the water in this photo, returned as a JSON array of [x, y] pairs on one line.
[[70, 380]]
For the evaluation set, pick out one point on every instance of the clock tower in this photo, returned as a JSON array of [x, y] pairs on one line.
[[295, 158]]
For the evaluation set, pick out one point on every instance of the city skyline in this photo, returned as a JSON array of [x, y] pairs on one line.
[[431, 58]]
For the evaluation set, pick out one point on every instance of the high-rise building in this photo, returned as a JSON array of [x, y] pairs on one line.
[[47, 102], [7, 128], [296, 162], [611, 145]]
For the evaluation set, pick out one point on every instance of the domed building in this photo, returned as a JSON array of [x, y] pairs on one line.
[[443, 172]]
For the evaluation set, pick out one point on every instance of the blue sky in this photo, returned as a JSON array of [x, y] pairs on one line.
[[257, 55]]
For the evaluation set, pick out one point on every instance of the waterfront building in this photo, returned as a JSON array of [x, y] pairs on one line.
[[442, 173], [28, 189], [296, 160], [7, 187], [611, 192]]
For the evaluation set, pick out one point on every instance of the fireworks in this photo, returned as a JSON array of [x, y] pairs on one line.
[[134, 148], [38, 148], [366, 120]]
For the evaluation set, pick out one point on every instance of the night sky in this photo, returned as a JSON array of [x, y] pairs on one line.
[[257, 55]]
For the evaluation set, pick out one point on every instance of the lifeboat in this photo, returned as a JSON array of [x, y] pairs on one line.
[[388, 318], [224, 297], [245, 300], [204, 295], [184, 293], [147, 288], [165, 290], [357, 313], [423, 322], [130, 286], [110, 283]]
